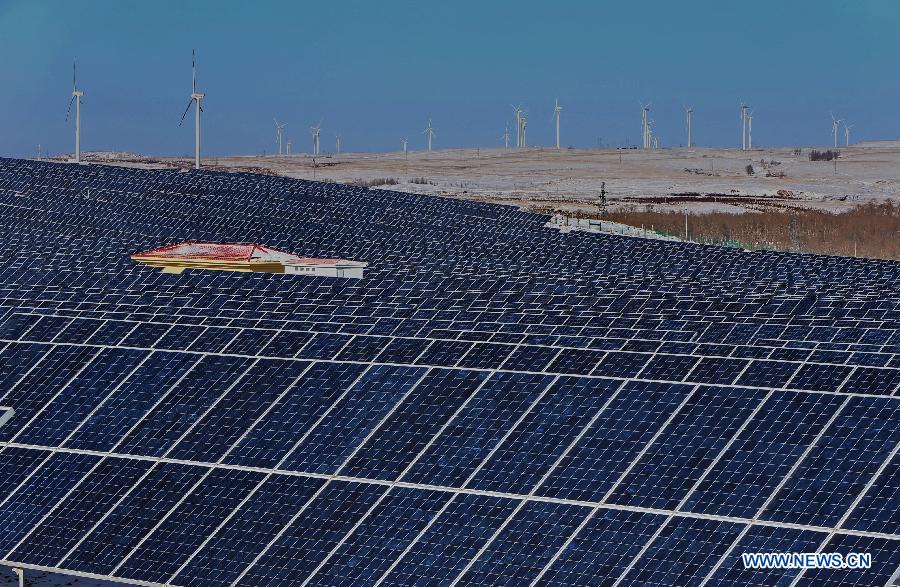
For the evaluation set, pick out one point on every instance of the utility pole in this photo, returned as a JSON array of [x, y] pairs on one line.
[[601, 205]]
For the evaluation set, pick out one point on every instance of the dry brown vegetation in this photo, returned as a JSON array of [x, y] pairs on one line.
[[870, 230]]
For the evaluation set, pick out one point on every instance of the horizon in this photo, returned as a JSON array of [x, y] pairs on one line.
[[374, 74]]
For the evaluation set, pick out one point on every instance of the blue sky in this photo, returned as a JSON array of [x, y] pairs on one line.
[[375, 71]]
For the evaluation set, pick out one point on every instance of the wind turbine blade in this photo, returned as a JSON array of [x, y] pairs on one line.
[[193, 71], [186, 111], [74, 85], [69, 109]]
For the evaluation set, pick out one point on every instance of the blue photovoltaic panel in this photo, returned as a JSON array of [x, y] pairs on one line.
[[47, 328], [455, 454], [190, 397], [93, 497], [314, 533], [145, 335], [885, 562], [61, 416], [767, 374], [387, 531], [323, 346], [614, 440], [245, 401], [36, 495], [111, 332], [547, 431], [445, 353], [686, 447], [603, 548], [402, 350], [15, 325], [764, 539], [530, 358], [249, 342], [17, 464], [40, 386], [104, 546], [530, 540], [252, 526], [214, 340], [363, 348], [286, 344], [406, 432], [569, 365], [879, 509], [128, 404], [840, 465], [197, 516], [762, 454], [442, 551], [353, 418], [15, 361], [270, 439], [78, 331], [179, 338], [684, 552]]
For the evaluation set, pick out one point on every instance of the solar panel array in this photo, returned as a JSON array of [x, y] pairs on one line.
[[495, 403]]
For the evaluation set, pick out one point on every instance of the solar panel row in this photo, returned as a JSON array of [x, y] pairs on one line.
[[495, 403]]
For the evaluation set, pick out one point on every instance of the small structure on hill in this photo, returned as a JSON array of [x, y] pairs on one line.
[[246, 258]]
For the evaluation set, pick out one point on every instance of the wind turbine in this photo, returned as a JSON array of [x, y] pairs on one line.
[[518, 110], [556, 111], [744, 108], [645, 125], [337, 141], [847, 128], [289, 143], [315, 137], [76, 97], [279, 133], [750, 130], [195, 97], [429, 132], [689, 112], [835, 122], [505, 137], [523, 122], [404, 141]]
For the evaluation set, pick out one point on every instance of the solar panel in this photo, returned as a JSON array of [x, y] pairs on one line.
[[496, 402]]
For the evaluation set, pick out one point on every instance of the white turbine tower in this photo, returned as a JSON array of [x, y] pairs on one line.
[[835, 123], [556, 111], [645, 126], [76, 97], [847, 128], [743, 126], [524, 123], [750, 130], [689, 112], [315, 137], [405, 142], [518, 110], [337, 142], [505, 137], [289, 143], [429, 132], [279, 133], [195, 97]]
